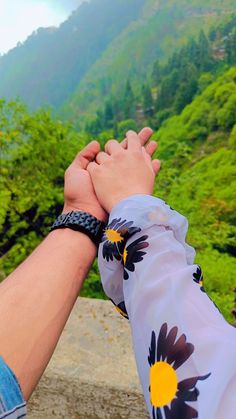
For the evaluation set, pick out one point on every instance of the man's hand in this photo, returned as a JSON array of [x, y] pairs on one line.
[[79, 190], [120, 172]]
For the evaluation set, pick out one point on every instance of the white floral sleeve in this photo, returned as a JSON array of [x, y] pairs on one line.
[[185, 350]]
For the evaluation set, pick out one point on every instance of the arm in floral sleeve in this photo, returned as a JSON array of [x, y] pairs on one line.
[[185, 350]]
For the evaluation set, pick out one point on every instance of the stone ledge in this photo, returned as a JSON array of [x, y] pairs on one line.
[[92, 373]]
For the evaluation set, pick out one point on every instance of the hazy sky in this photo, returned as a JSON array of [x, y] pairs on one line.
[[19, 18]]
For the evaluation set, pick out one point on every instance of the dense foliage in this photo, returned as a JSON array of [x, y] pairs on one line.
[[35, 150]]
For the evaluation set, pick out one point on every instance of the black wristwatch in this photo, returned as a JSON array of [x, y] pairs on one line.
[[83, 222]]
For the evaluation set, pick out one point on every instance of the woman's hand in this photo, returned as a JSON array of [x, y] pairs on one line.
[[119, 173], [79, 190]]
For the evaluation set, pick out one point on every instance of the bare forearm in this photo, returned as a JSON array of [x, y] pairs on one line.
[[36, 301]]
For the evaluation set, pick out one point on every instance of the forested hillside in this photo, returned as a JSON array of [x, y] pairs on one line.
[[172, 85], [157, 67]]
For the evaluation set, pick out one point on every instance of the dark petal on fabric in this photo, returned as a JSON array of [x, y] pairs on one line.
[[188, 395], [113, 223], [170, 340], [119, 223], [137, 257], [158, 414], [152, 350], [186, 389], [134, 230], [180, 410], [204, 377], [188, 384], [130, 266], [125, 226], [138, 242], [161, 343], [121, 247], [197, 276], [109, 251], [181, 351], [126, 275], [153, 413], [167, 412], [134, 255], [141, 239], [142, 246], [122, 307]]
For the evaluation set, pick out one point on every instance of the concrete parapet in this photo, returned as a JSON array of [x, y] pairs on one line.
[[92, 373]]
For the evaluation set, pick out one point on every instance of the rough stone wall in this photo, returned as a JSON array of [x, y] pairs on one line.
[[92, 373]]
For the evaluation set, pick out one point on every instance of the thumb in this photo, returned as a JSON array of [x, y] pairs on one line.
[[88, 154]]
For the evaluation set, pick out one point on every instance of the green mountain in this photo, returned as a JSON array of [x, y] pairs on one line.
[[88, 57]]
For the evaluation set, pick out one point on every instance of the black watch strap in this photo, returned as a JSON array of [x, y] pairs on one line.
[[83, 222]]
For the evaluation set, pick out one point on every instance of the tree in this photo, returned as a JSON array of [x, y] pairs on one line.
[[231, 48], [148, 105], [167, 91], [204, 58], [129, 102], [108, 115], [187, 88], [156, 73]]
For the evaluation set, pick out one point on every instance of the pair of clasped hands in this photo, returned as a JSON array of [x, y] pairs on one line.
[[106, 178]]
